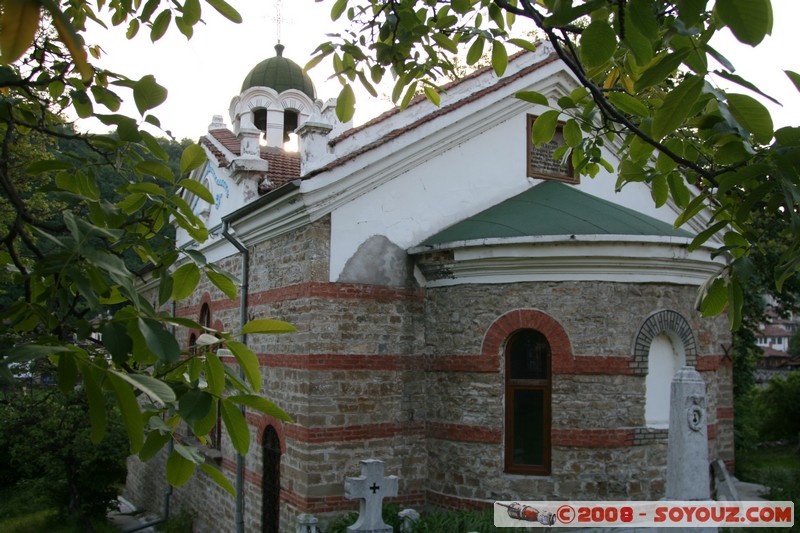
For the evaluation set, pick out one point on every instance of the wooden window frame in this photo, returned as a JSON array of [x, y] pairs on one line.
[[513, 385], [572, 178]]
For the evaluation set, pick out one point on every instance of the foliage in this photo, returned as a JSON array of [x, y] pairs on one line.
[[713, 153], [179, 523], [781, 401], [776, 467], [24, 510], [461, 521], [79, 302], [45, 443]]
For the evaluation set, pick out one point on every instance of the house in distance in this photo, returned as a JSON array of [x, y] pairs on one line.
[[469, 311]]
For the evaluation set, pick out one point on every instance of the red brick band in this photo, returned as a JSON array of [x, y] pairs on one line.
[[343, 291], [592, 438], [725, 413]]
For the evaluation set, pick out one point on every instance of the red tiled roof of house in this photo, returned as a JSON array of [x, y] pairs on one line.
[[774, 331], [283, 166], [773, 353]]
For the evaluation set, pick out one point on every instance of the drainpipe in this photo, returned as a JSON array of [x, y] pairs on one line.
[[239, 516]]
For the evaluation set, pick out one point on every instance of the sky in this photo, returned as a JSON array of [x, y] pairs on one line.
[[203, 74]]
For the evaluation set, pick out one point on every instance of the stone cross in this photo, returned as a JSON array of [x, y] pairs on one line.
[[371, 488], [687, 446]]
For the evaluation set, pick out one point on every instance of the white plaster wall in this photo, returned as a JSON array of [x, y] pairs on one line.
[[480, 172]]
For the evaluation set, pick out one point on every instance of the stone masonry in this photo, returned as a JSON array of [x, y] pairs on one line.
[[415, 378]]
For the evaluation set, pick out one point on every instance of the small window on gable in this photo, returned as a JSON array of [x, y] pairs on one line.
[[541, 161], [527, 432]]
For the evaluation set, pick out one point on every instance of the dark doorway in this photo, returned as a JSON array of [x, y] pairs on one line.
[[271, 482]]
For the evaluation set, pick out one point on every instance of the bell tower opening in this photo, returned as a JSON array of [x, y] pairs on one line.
[[260, 119], [290, 119]]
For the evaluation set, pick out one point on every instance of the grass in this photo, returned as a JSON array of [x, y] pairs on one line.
[[23, 510], [777, 467], [429, 522]]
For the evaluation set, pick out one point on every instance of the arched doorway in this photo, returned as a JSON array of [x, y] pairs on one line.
[[271, 481]]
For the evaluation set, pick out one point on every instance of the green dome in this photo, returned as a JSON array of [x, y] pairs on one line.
[[280, 74]]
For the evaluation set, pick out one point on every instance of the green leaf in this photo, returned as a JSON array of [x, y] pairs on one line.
[[676, 107], [19, 21], [680, 192], [795, 77], [752, 116], [629, 104], [152, 444], [544, 127], [572, 133], [268, 326], [148, 94], [154, 388], [659, 190], [179, 469], [236, 425], [694, 207], [706, 234], [97, 403], [248, 361], [432, 95], [215, 374], [160, 342], [117, 342], [524, 44], [219, 478], [160, 25], [185, 280], [475, 51], [223, 283], [129, 408], [191, 12], [261, 404], [446, 43], [532, 97], [346, 104], [499, 58], [191, 158], [660, 69], [152, 168], [598, 43], [715, 299], [338, 8], [749, 20], [194, 405]]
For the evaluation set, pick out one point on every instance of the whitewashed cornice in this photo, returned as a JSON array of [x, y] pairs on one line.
[[614, 258]]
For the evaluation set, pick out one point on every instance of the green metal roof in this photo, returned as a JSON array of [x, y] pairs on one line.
[[280, 74], [553, 208]]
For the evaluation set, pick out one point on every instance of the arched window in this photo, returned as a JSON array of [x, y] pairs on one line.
[[527, 387], [205, 316], [665, 358]]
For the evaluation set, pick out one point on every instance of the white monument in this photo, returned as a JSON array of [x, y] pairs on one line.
[[687, 448], [371, 488]]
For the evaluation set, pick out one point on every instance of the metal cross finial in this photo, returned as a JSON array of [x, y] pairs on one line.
[[278, 19]]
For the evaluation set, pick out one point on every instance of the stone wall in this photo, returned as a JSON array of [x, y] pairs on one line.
[[415, 378], [600, 445]]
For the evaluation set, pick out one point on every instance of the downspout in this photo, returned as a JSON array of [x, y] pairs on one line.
[[243, 291]]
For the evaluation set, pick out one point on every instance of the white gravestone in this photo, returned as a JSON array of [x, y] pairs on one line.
[[687, 447], [371, 488]]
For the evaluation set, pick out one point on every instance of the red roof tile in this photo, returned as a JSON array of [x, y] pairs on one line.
[[283, 166]]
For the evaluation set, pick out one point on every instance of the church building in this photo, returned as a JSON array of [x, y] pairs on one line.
[[469, 310]]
